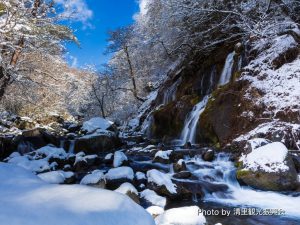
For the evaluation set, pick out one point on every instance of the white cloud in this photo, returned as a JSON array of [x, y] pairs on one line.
[[76, 10]]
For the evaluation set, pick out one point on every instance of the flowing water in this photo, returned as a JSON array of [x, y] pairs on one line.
[[227, 70], [190, 125], [222, 171], [170, 93], [71, 147]]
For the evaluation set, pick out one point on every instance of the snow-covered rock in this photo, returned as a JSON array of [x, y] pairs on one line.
[[119, 159], [161, 182], [116, 176], [129, 190], [57, 177], [96, 123], [153, 198], [184, 216], [96, 179], [28, 201], [162, 156], [269, 167], [155, 210]]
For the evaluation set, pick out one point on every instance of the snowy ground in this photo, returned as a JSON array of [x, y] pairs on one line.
[[30, 201]]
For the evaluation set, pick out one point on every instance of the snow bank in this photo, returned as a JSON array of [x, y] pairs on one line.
[[153, 198], [96, 123], [36, 166], [184, 216], [92, 178], [269, 158], [119, 158], [55, 177], [161, 179], [126, 187], [30, 201], [119, 173]]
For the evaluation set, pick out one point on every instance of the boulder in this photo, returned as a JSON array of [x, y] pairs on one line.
[[179, 166], [208, 155], [94, 179], [97, 142], [269, 167], [162, 157], [117, 176], [129, 190], [182, 175]]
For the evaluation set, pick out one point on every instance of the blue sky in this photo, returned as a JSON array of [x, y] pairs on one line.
[[107, 15]]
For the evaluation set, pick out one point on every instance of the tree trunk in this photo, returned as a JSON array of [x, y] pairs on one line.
[[135, 92], [17, 52], [4, 81]]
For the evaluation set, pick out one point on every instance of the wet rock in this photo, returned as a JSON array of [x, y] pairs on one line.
[[296, 160], [188, 145], [208, 155], [179, 166], [182, 175]]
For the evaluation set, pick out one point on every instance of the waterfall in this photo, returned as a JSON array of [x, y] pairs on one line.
[[190, 125], [72, 146], [223, 171], [170, 93], [227, 70]]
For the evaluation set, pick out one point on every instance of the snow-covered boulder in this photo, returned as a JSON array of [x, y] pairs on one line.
[[84, 162], [120, 159], [179, 166], [95, 179], [162, 156], [58, 177], [129, 190], [161, 183], [96, 123], [269, 167], [153, 198], [109, 158], [28, 200], [99, 141], [155, 210], [116, 176], [184, 216]]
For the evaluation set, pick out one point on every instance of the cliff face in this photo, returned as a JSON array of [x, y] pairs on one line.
[[262, 98]]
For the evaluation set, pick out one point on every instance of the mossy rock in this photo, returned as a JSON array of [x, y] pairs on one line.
[[269, 181]]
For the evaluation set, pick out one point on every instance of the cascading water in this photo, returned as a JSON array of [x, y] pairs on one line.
[[227, 70], [190, 125], [72, 146], [170, 94], [222, 171]]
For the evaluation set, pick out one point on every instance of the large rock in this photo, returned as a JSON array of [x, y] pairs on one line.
[[97, 142], [269, 167]]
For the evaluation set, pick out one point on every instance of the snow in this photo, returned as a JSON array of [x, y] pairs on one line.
[[161, 179], [257, 142], [55, 177], [140, 176], [96, 123], [125, 188], [119, 173], [119, 158], [155, 210], [280, 87], [163, 154], [52, 152], [108, 156], [29, 201], [189, 215], [153, 198], [37, 166], [269, 158], [92, 178]]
